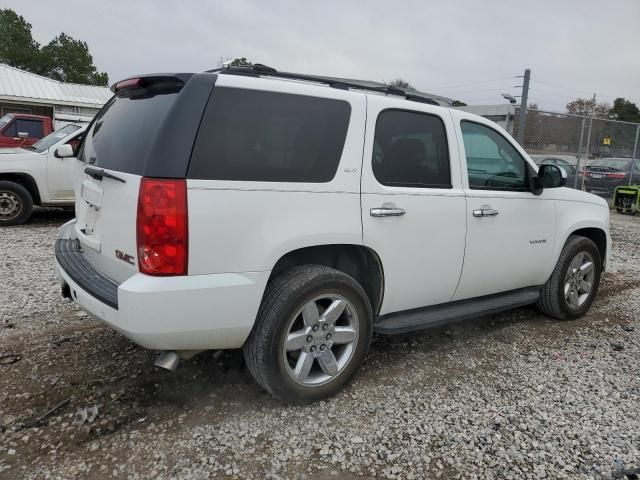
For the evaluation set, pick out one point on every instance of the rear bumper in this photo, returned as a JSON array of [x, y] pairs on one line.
[[197, 312]]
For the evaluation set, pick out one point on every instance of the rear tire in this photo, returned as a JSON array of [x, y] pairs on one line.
[[16, 204], [312, 334], [573, 285]]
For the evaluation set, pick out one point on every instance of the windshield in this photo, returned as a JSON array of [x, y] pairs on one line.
[[619, 164], [54, 138], [6, 119]]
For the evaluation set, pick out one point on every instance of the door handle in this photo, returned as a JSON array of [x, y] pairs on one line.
[[485, 212], [386, 212]]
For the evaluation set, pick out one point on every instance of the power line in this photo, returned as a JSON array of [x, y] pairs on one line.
[[449, 87], [479, 90], [553, 93], [575, 90]]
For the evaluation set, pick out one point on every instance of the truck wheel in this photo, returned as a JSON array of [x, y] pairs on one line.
[[573, 285], [311, 335], [16, 203]]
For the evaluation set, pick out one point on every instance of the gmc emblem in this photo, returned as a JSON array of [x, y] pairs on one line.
[[125, 257]]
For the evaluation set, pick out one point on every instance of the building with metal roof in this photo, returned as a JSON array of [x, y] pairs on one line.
[[25, 92]]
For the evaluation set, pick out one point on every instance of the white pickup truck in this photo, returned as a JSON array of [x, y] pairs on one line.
[[40, 174]]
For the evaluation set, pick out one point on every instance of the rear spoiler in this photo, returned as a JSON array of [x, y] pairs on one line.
[[151, 80]]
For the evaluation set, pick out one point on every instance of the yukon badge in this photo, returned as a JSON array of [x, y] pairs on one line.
[[125, 257], [537, 242]]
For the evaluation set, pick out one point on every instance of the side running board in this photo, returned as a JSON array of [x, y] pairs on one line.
[[421, 318]]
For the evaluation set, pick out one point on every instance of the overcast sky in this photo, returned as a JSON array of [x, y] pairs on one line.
[[466, 49]]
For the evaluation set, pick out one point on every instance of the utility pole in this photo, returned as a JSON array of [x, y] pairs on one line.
[[523, 106]]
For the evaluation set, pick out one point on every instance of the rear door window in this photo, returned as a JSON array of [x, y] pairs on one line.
[[410, 150], [261, 136]]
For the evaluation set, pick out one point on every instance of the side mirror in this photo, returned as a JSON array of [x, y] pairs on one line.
[[552, 176], [23, 135], [63, 151], [535, 185]]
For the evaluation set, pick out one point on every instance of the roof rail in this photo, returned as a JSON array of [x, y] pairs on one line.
[[258, 69]]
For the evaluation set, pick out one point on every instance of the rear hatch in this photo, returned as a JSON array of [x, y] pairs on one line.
[[146, 129]]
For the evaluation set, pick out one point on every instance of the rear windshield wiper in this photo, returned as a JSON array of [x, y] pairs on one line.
[[99, 174]]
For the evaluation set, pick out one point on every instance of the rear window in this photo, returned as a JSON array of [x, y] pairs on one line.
[[122, 134], [263, 136], [33, 128]]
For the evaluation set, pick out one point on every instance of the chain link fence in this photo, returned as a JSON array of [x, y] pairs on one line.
[[585, 143]]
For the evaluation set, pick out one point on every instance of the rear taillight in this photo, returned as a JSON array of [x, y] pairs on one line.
[[616, 175], [162, 227]]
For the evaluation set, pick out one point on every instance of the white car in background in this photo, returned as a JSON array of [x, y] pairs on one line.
[[40, 174]]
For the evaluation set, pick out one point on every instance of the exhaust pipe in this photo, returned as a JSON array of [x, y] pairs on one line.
[[169, 360]]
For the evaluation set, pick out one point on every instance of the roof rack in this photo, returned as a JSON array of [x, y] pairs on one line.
[[258, 69]]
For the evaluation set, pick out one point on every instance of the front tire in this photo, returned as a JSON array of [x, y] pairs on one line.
[[311, 335], [16, 204], [573, 285]]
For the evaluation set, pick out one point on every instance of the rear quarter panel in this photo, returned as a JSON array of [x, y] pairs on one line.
[[242, 226]]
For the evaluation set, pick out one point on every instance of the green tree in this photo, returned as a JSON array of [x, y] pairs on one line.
[[69, 60], [64, 58], [17, 46], [625, 110]]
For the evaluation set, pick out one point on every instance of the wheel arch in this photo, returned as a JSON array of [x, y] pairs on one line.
[[27, 181], [360, 262], [596, 235]]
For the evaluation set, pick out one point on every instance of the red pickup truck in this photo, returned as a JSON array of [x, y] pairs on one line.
[[21, 130]]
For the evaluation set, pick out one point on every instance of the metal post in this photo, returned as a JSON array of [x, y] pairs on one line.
[[586, 151], [575, 179], [523, 107], [633, 157]]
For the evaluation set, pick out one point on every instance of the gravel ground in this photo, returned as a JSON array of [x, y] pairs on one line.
[[510, 396]]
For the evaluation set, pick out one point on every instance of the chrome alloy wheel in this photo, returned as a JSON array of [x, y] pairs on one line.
[[10, 205], [321, 340], [578, 282]]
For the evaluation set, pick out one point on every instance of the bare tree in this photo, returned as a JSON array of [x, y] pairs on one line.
[[589, 107], [233, 62], [400, 83]]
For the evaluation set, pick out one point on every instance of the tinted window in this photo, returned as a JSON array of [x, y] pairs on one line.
[[123, 132], [410, 149], [31, 127], [492, 162], [269, 137]]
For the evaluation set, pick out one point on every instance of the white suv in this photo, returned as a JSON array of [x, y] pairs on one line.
[[293, 216]]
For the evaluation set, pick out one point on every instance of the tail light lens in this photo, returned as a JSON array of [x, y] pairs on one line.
[[162, 227], [617, 175]]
